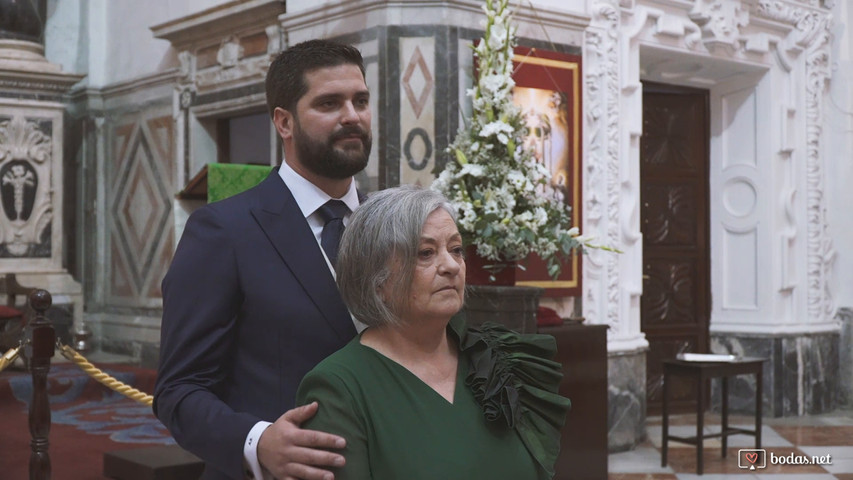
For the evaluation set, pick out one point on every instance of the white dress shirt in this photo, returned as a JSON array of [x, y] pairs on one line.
[[309, 198]]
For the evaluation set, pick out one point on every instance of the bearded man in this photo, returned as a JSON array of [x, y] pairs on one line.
[[249, 302]]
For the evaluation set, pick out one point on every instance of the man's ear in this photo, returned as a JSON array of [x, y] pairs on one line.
[[283, 121]]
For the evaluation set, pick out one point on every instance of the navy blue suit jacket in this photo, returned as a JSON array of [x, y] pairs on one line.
[[249, 307]]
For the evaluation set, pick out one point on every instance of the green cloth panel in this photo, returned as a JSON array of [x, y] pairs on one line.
[[227, 179]]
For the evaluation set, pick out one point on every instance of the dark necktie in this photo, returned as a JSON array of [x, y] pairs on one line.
[[332, 213]]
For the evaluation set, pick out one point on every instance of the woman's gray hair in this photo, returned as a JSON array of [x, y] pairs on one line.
[[383, 235]]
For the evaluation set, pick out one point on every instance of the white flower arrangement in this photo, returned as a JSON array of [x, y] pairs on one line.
[[502, 195]]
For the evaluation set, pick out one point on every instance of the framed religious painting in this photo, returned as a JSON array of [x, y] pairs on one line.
[[548, 91]]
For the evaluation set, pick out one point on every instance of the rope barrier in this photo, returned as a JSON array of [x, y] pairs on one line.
[[103, 378], [9, 357]]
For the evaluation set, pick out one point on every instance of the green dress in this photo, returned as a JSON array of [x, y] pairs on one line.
[[397, 427]]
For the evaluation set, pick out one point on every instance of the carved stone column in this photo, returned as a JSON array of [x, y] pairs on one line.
[[31, 178]]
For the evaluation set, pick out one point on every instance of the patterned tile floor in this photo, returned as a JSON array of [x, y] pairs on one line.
[[818, 435]]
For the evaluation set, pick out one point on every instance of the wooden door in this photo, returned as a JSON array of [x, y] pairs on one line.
[[675, 306]]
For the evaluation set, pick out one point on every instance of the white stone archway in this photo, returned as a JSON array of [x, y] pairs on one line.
[[766, 65]]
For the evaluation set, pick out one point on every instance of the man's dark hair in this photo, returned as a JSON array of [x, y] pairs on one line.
[[285, 83]]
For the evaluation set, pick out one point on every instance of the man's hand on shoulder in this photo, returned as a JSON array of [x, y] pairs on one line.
[[291, 453]]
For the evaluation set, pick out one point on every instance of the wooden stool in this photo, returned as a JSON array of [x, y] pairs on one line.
[[701, 372], [169, 462]]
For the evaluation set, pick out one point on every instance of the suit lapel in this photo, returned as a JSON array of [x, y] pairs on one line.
[[286, 228]]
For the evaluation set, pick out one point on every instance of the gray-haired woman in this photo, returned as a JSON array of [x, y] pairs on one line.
[[417, 395]]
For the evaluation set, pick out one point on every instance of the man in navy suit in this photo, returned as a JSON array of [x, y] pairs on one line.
[[250, 303]]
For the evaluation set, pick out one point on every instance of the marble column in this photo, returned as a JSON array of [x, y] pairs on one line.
[[31, 160], [626, 399]]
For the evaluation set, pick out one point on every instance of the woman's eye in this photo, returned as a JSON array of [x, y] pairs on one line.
[[423, 254], [458, 251]]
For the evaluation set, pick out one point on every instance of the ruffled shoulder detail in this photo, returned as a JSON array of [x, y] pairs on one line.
[[514, 378]]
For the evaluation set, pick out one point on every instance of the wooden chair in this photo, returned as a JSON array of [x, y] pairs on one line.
[[11, 318]]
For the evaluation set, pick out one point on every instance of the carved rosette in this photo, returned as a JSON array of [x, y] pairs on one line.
[[602, 167], [25, 154]]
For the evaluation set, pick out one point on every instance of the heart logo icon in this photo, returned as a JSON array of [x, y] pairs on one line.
[[752, 457]]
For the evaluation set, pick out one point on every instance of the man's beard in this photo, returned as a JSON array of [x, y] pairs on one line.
[[323, 159]]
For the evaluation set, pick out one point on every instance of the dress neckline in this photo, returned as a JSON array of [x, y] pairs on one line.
[[399, 366]]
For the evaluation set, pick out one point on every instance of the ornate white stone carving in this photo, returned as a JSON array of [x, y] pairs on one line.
[[809, 22], [787, 235], [665, 25], [23, 140], [230, 52], [56, 88], [186, 64], [19, 178], [669, 25], [812, 31], [25, 154], [273, 39], [626, 185], [593, 176], [185, 98], [779, 11], [820, 251], [253, 68], [757, 43], [602, 169], [788, 231], [721, 21]]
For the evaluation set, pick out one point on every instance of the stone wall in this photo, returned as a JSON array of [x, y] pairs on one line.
[[800, 377]]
